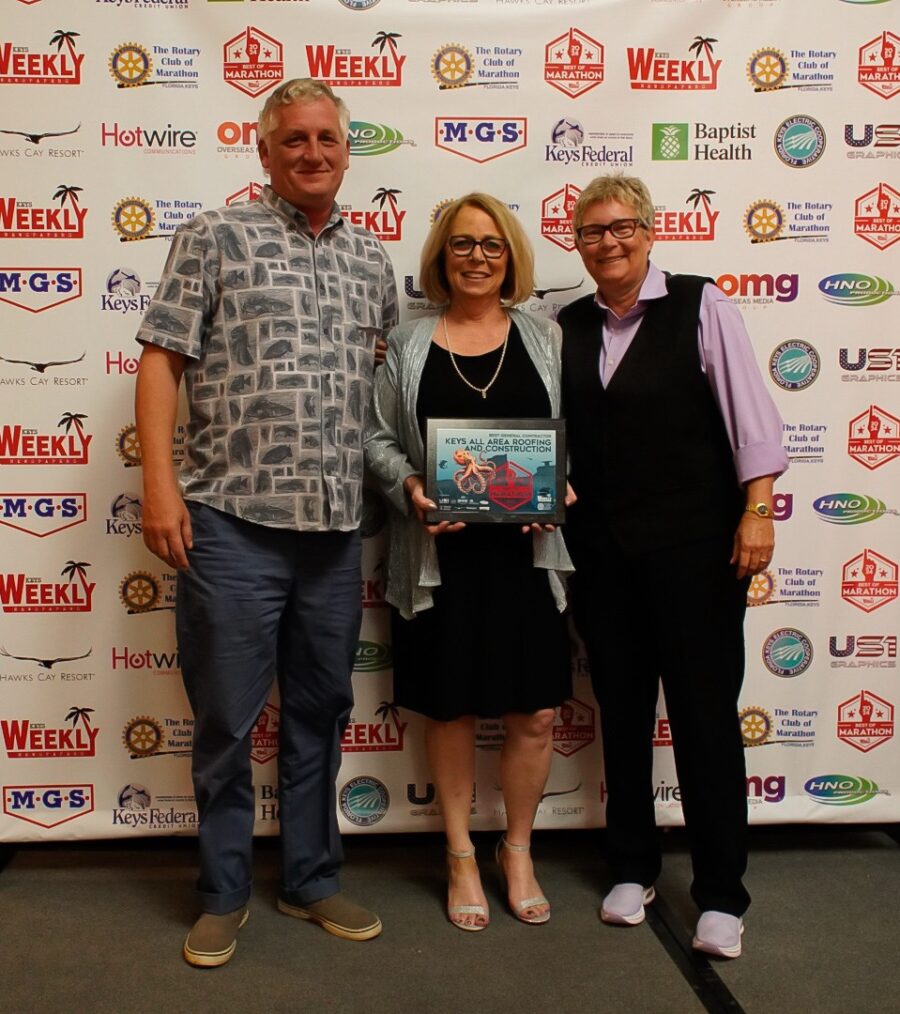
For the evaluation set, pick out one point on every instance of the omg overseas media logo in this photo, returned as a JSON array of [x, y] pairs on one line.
[[556, 216], [48, 805], [865, 721], [863, 651], [799, 141], [253, 61], [385, 221], [698, 223], [869, 581], [649, 68], [25, 593], [375, 737], [21, 446], [759, 289], [42, 514], [492, 67], [19, 65], [841, 790], [794, 365], [574, 63], [27, 740], [767, 221], [343, 68], [877, 216], [878, 66], [849, 288], [849, 508], [769, 70], [131, 65], [36, 289], [23, 220], [571, 144], [874, 437], [480, 138]]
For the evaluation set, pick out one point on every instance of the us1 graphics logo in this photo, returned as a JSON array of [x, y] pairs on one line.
[[863, 651]]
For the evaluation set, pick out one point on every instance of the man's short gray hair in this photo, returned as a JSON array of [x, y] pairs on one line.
[[615, 187], [300, 89]]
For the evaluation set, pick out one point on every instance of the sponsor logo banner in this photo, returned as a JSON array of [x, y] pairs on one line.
[[62, 66], [865, 721], [869, 581], [23, 738], [874, 437], [480, 139], [48, 805], [42, 514], [38, 289]]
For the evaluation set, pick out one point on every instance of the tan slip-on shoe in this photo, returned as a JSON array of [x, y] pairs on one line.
[[213, 939], [337, 915]]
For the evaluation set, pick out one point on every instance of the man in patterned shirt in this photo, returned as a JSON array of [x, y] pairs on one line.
[[270, 311]]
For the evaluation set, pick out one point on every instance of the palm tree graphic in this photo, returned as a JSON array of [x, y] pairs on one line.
[[696, 196], [70, 194], [74, 567], [382, 194], [61, 38], [386, 38], [71, 419], [387, 709], [702, 44], [77, 715]]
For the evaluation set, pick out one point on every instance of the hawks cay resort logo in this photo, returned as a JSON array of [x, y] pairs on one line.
[[23, 220], [42, 514], [768, 221], [571, 144], [704, 142], [794, 365], [253, 61], [574, 63], [877, 216], [484, 65], [61, 65], [480, 138], [343, 68], [25, 593], [26, 446], [131, 65], [849, 288], [385, 221], [769, 70], [36, 289], [879, 65], [33, 147], [697, 223], [650, 68], [45, 667]]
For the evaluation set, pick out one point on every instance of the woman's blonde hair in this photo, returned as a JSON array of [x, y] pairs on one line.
[[519, 281]]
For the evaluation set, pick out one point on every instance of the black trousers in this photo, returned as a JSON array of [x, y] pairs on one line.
[[676, 615]]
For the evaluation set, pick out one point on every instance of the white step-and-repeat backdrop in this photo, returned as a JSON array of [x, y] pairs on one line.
[[768, 133]]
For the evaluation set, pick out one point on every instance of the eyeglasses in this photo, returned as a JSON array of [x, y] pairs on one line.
[[492, 247], [622, 228]]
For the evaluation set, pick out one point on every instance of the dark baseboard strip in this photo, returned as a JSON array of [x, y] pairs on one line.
[[697, 970], [892, 831], [6, 854]]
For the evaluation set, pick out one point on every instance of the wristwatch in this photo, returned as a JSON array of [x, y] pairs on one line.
[[761, 510]]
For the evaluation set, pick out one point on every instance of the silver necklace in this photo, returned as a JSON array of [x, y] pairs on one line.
[[481, 390]]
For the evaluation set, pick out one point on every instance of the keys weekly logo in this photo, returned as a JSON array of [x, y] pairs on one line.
[[20, 446], [18, 65], [342, 68], [699, 223], [22, 220], [23, 738], [385, 222], [648, 68], [23, 593]]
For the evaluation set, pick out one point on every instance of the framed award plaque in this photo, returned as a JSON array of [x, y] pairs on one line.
[[496, 470]]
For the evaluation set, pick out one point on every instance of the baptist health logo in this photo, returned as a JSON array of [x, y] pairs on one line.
[[842, 790]]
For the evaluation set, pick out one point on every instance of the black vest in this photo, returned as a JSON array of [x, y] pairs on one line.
[[650, 458]]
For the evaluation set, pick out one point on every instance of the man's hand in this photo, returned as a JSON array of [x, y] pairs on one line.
[[415, 490], [167, 528], [380, 351]]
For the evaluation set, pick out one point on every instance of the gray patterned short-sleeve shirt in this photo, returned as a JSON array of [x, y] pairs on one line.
[[280, 328]]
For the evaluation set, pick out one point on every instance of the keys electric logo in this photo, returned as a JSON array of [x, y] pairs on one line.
[[787, 727], [877, 216], [374, 138], [375, 737], [131, 66], [842, 790], [42, 514], [373, 656], [492, 67], [20, 446], [22, 220], [48, 805], [24, 739], [879, 65], [671, 142], [602, 148], [160, 663], [799, 141], [698, 224], [253, 62], [145, 736], [22, 593], [385, 222], [573, 727], [865, 721], [574, 63], [264, 737], [20, 66], [649, 68], [882, 138], [142, 591], [760, 289], [874, 437], [787, 652], [768, 70], [37, 289], [480, 139], [794, 365], [364, 800], [342, 68], [849, 508], [134, 809], [863, 651], [870, 364], [851, 289], [869, 581], [766, 220], [556, 216]]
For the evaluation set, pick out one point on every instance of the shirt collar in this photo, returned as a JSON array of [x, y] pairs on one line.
[[653, 287], [286, 210]]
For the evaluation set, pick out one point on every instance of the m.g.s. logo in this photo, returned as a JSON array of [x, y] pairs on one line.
[[480, 139], [39, 289], [48, 805], [42, 514]]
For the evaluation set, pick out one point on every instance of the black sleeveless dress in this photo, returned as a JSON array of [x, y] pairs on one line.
[[494, 641]]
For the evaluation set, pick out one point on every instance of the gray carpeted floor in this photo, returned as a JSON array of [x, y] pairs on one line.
[[97, 927]]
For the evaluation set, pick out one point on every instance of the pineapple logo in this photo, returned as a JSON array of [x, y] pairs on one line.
[[670, 142]]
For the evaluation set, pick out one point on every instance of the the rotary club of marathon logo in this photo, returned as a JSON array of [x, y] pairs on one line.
[[879, 65], [874, 437], [865, 721], [761, 590], [146, 736], [144, 592], [869, 581], [253, 62], [556, 216], [131, 66], [767, 70], [452, 66], [133, 218], [877, 216], [573, 63]]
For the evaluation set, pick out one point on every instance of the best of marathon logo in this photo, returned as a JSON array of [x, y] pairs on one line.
[[21, 593], [571, 144], [877, 216], [23, 738], [874, 437], [865, 721], [573, 727], [385, 222], [769, 70], [18, 65], [493, 67], [131, 66], [253, 62], [556, 216], [343, 68], [48, 805], [37, 289], [879, 65], [687, 226], [42, 514], [20, 446], [574, 63], [480, 139], [649, 68], [869, 581], [22, 220]]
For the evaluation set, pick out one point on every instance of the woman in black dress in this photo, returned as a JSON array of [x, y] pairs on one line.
[[477, 625]]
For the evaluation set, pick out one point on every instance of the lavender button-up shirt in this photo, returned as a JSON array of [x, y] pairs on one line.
[[751, 419]]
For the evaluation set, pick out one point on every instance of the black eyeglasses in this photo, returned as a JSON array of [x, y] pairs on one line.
[[622, 228], [491, 246]]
